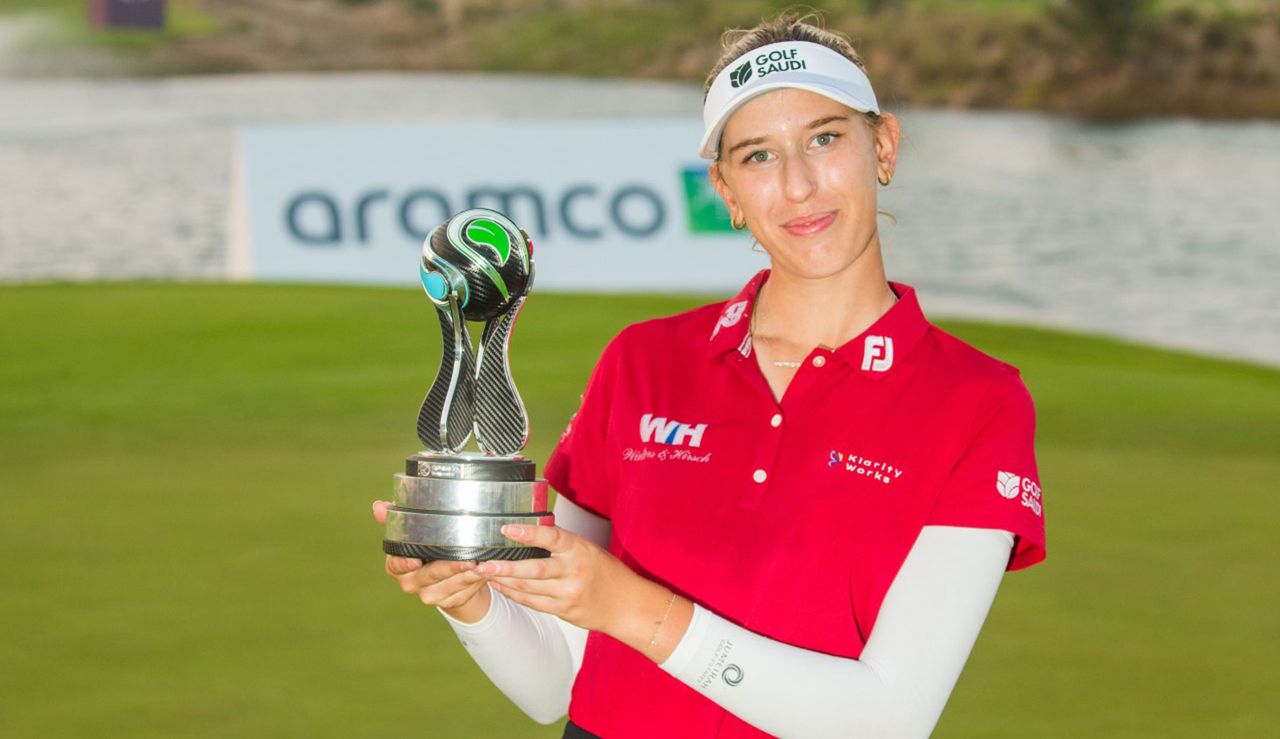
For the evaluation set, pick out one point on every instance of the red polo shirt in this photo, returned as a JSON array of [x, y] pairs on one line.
[[788, 518]]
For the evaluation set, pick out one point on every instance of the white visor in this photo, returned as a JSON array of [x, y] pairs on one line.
[[799, 64]]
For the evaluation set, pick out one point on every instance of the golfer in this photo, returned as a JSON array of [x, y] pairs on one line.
[[784, 514]]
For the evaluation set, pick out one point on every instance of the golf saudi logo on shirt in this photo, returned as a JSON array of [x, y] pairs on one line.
[[707, 212]]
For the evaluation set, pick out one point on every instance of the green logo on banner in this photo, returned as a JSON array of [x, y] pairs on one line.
[[707, 212]]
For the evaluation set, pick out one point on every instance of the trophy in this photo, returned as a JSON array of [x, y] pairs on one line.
[[450, 503]]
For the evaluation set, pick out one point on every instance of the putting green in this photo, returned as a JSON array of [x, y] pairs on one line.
[[186, 546]]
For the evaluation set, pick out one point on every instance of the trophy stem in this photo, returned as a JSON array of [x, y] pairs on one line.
[[445, 419], [501, 423]]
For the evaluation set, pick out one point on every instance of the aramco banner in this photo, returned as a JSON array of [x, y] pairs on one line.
[[610, 204]]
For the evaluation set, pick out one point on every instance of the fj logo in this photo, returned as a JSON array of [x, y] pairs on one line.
[[877, 353], [662, 431]]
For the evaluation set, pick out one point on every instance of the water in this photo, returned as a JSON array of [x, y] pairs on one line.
[[1165, 231]]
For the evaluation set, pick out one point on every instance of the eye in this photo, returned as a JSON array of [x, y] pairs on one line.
[[826, 138], [757, 157]]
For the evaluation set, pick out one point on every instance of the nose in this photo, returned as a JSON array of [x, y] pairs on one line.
[[797, 179]]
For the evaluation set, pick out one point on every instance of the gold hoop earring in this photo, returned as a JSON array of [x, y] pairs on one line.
[[738, 226], [884, 181]]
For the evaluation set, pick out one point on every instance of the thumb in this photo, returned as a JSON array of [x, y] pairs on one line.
[[380, 510]]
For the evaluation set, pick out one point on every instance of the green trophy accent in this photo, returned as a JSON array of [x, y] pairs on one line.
[[490, 234], [707, 212]]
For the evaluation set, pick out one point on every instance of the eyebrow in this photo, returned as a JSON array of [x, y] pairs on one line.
[[747, 142], [829, 119], [812, 125]]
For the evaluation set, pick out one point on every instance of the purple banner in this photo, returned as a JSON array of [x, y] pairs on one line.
[[127, 13]]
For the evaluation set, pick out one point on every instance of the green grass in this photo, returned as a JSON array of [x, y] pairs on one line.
[[186, 546]]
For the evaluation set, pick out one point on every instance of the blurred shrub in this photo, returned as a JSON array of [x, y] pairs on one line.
[[1112, 23], [877, 6]]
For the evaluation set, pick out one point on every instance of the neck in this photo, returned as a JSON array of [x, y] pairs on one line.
[[806, 312]]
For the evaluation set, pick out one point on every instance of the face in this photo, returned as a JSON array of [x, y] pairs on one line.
[[801, 170]]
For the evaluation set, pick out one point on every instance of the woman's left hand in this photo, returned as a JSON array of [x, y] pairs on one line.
[[580, 582], [587, 586]]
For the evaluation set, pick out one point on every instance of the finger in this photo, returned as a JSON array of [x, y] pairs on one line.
[[434, 593], [534, 601], [551, 538], [397, 566], [380, 510], [464, 595], [553, 589], [529, 569], [436, 571], [419, 580], [432, 574]]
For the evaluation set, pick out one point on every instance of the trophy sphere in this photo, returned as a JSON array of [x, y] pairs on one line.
[[483, 257]]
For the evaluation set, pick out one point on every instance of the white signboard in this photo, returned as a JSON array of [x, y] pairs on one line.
[[610, 204]]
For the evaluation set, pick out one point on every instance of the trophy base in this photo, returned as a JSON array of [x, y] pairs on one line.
[[428, 553], [453, 507]]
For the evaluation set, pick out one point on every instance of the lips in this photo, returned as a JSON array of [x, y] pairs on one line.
[[809, 225]]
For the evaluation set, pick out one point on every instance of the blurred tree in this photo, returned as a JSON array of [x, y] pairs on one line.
[[1111, 23], [879, 6]]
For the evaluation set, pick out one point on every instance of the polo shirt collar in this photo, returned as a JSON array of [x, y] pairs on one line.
[[874, 352]]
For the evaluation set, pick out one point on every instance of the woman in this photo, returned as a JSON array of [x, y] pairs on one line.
[[787, 513]]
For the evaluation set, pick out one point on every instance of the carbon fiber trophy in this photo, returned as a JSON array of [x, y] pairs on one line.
[[450, 503]]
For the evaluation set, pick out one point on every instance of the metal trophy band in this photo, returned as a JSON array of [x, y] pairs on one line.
[[449, 503]]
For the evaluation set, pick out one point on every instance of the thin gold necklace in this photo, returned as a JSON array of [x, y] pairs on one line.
[[751, 330]]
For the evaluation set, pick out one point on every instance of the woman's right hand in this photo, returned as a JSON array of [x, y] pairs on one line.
[[455, 587]]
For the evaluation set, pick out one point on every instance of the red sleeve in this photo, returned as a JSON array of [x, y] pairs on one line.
[[578, 467], [995, 484]]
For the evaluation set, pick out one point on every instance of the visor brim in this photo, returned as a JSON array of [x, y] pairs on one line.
[[710, 144]]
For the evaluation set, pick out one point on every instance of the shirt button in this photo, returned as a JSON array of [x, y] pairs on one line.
[[776, 421], [759, 475], [819, 360]]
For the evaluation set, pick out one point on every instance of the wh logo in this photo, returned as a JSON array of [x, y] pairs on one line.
[[877, 353], [662, 431]]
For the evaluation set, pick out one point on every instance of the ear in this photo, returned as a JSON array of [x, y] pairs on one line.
[[726, 194], [887, 138]]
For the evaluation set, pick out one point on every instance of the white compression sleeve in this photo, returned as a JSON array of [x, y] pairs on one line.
[[533, 657], [926, 627]]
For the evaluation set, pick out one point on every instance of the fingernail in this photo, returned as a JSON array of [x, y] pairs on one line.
[[488, 568], [513, 531]]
